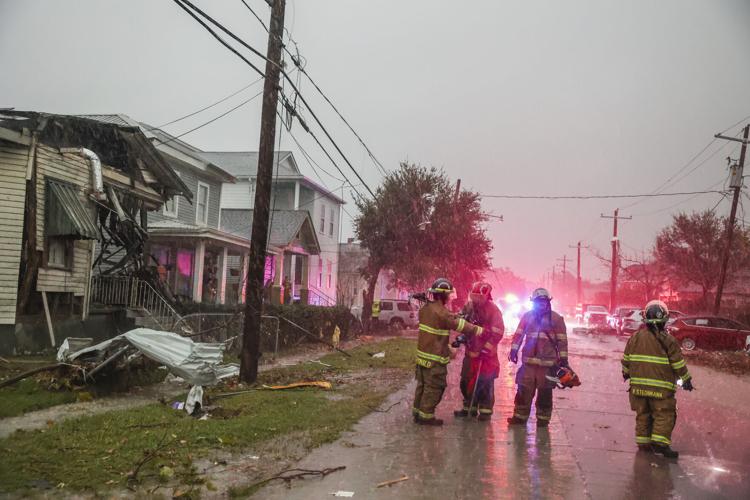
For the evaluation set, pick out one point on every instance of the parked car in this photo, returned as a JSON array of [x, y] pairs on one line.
[[398, 314], [595, 315], [709, 332], [615, 319], [631, 323]]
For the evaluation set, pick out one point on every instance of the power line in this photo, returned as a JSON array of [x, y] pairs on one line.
[[592, 197], [210, 105], [297, 62], [284, 73]]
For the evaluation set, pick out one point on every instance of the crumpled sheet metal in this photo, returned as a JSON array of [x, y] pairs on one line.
[[196, 362]]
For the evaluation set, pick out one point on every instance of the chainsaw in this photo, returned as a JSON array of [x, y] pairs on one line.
[[564, 377]]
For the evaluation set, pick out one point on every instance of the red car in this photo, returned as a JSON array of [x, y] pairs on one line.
[[709, 332]]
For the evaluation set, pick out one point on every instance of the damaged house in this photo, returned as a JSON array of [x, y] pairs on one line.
[[76, 194]]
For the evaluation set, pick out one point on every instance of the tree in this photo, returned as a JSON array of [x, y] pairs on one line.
[[646, 273], [420, 229], [690, 250]]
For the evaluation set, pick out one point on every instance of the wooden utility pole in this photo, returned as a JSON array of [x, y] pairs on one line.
[[579, 283], [261, 211], [615, 263], [564, 261], [736, 184]]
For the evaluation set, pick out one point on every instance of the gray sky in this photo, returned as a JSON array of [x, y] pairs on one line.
[[553, 98]]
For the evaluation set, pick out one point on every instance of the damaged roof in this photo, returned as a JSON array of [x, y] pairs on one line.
[[117, 143]]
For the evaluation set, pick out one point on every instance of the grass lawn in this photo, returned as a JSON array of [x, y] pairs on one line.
[[28, 395], [99, 452]]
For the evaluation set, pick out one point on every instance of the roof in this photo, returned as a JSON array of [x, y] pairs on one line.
[[245, 163], [165, 143], [286, 225], [117, 142], [176, 228]]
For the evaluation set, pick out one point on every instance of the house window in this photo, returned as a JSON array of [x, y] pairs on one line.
[[170, 207], [330, 222], [323, 219], [59, 252], [320, 272], [330, 274], [201, 205]]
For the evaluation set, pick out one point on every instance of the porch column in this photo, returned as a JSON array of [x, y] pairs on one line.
[[200, 253], [296, 195], [304, 290], [222, 275], [277, 279], [293, 263], [243, 276]]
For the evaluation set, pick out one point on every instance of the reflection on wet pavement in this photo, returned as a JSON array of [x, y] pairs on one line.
[[587, 452]]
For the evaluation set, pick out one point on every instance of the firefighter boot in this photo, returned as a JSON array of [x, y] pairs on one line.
[[461, 413], [484, 417], [664, 450], [542, 423], [645, 448], [429, 421], [516, 421]]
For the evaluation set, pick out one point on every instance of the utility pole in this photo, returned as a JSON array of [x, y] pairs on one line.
[[261, 211], [564, 261], [579, 283], [736, 184], [615, 254]]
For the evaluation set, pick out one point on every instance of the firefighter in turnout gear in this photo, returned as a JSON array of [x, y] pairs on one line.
[[433, 351], [480, 366], [652, 361], [544, 350]]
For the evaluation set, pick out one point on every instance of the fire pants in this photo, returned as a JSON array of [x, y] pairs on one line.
[[654, 419], [431, 383], [532, 381]]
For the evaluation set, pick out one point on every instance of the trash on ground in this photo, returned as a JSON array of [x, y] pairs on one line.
[[342, 493], [393, 481], [178, 405], [320, 363], [336, 337], [194, 399], [380, 354]]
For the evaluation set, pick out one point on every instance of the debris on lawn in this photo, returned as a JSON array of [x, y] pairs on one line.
[[342, 493], [736, 362], [322, 384], [393, 481], [288, 475], [378, 355]]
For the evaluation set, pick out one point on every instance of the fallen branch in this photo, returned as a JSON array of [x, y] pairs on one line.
[[393, 481], [290, 474], [387, 409], [18, 378], [147, 457]]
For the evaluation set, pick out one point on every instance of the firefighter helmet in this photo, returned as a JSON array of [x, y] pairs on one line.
[[656, 312], [441, 286], [540, 293], [481, 290]]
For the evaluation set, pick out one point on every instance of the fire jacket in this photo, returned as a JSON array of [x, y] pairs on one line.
[[654, 362], [435, 325], [542, 334], [489, 317]]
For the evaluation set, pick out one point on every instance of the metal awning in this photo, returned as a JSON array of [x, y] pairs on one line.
[[66, 215]]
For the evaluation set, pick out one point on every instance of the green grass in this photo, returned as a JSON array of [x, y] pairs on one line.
[[96, 453], [27, 395]]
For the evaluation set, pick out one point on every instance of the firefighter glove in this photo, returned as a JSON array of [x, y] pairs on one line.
[[688, 385], [485, 353], [564, 362], [625, 376], [513, 356]]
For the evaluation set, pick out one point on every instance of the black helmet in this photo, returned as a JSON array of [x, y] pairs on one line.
[[441, 285], [656, 312]]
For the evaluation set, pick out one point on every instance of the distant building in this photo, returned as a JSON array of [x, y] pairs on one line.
[[352, 258]]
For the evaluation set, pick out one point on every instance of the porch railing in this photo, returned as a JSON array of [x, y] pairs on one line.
[[133, 293], [318, 297]]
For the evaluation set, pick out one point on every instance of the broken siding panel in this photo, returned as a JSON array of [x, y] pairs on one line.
[[13, 162]]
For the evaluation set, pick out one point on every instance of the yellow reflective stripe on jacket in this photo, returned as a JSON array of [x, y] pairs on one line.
[[433, 357], [679, 364], [461, 325], [539, 361], [434, 331], [643, 358], [686, 377], [653, 383]]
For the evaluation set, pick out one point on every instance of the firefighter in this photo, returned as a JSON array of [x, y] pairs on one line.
[[433, 351], [652, 361], [480, 366], [544, 351]]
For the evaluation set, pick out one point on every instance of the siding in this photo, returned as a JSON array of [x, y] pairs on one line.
[[12, 199], [185, 210], [76, 170], [240, 196]]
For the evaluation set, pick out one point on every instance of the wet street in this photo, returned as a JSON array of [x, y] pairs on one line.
[[587, 452]]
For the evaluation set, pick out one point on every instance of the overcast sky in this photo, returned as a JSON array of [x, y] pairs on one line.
[[523, 98]]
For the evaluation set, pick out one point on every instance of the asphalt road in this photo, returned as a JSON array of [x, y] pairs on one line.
[[587, 452]]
